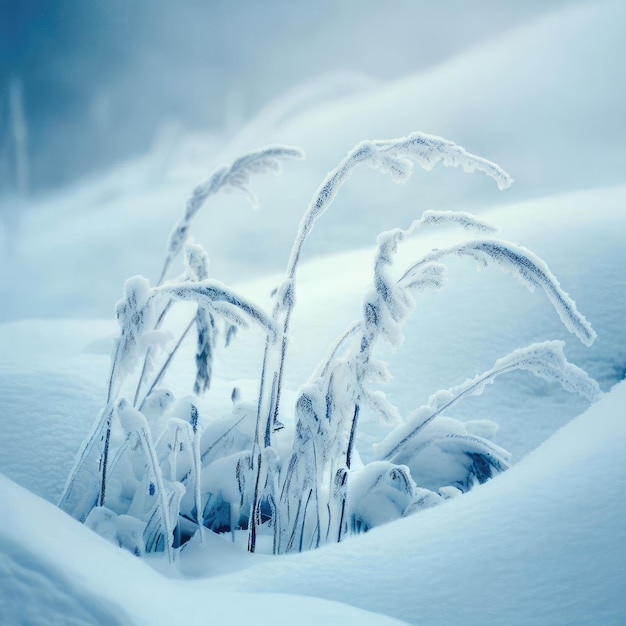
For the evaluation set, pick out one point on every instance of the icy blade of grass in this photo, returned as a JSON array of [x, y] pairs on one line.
[[84, 484], [234, 176], [392, 156], [530, 270], [205, 326], [545, 360], [135, 314], [208, 291], [134, 421]]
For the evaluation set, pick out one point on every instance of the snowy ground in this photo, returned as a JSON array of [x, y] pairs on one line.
[[543, 543]]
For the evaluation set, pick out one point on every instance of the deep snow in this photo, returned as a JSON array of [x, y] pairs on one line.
[[545, 542]]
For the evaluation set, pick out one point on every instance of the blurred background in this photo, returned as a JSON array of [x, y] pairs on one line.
[[112, 111], [100, 81]]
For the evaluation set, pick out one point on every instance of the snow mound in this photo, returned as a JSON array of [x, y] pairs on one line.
[[544, 543], [53, 570]]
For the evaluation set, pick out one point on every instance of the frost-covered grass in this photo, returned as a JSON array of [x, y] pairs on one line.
[[545, 543], [153, 473], [541, 543]]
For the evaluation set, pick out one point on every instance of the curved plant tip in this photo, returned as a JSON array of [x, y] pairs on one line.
[[226, 178], [209, 292]]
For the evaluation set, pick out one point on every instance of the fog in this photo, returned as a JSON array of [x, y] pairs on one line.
[[111, 113], [100, 79]]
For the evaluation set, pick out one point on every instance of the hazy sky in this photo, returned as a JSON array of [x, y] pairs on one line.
[[100, 77]]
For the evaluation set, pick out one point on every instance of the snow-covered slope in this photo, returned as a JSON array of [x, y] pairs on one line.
[[544, 543], [55, 571]]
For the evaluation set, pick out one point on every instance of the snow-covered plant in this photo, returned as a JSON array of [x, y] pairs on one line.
[[141, 313], [394, 157], [156, 470], [329, 405]]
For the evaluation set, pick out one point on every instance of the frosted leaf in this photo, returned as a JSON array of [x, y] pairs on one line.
[[206, 292], [154, 407], [377, 401], [379, 493], [165, 511], [159, 533], [308, 407], [427, 276], [427, 150], [284, 294], [398, 168], [444, 454], [424, 499], [386, 312], [392, 156], [528, 268], [229, 313], [228, 177], [467, 221], [131, 419], [377, 371], [545, 360], [230, 334], [205, 327]]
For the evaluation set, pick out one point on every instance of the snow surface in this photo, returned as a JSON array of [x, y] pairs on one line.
[[543, 543], [53, 570]]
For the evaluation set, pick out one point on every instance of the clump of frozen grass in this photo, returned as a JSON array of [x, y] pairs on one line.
[[175, 472], [141, 314]]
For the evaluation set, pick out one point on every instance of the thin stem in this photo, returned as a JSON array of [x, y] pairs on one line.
[[158, 479], [355, 419], [161, 373], [343, 506], [144, 369], [255, 505], [104, 457], [306, 506]]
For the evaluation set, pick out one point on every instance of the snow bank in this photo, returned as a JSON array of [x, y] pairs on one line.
[[544, 543], [55, 571]]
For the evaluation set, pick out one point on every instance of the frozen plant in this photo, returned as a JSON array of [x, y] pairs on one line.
[[156, 469], [141, 314], [329, 405]]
